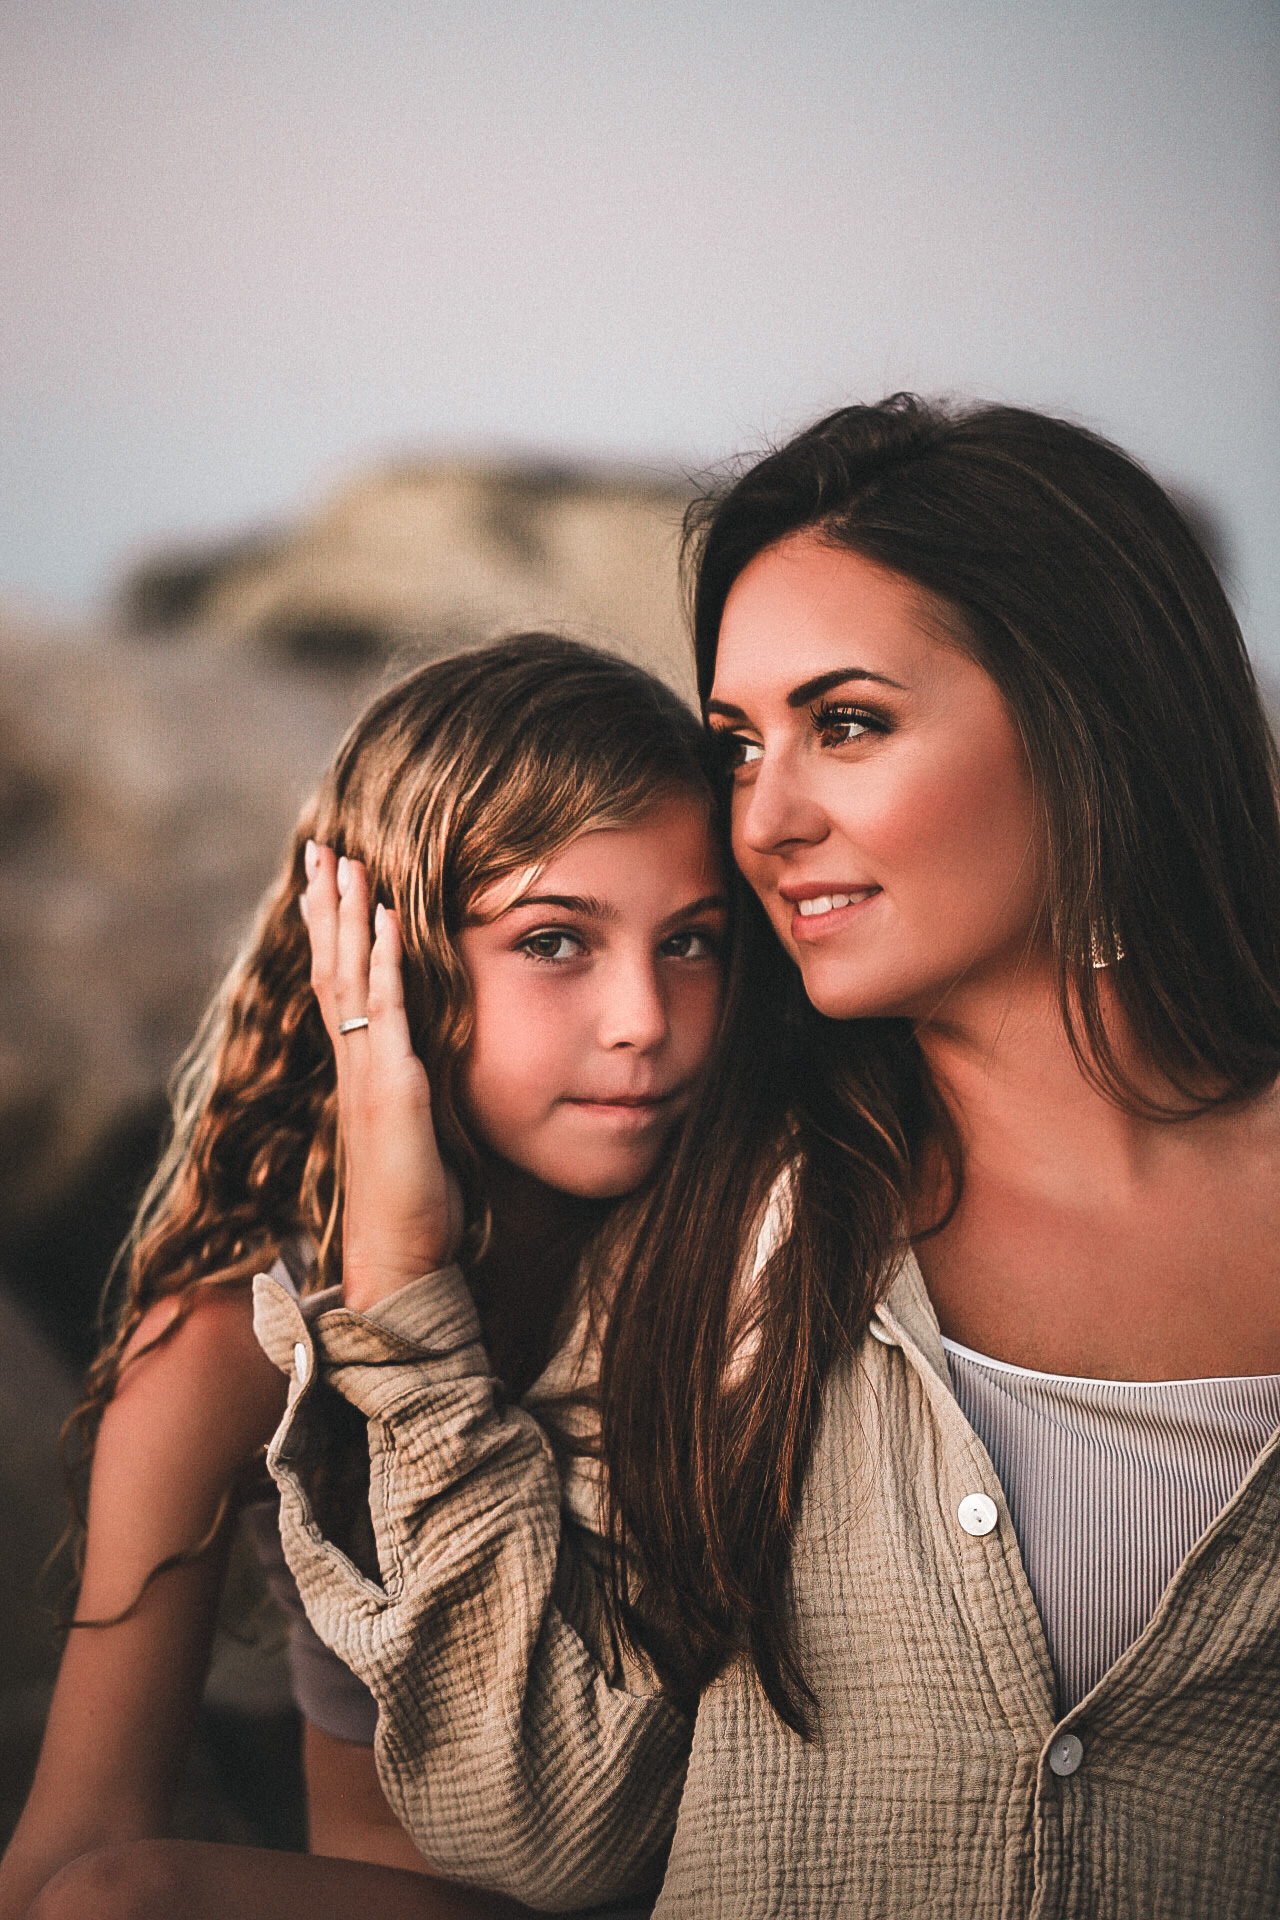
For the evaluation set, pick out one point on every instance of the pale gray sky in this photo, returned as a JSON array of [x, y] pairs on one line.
[[249, 245]]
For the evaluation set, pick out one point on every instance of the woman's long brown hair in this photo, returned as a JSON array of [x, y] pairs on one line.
[[469, 770], [1075, 582]]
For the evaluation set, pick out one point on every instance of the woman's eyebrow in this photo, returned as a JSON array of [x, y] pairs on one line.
[[812, 689], [823, 682]]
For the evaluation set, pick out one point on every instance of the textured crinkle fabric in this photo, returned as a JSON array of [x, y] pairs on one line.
[[523, 1755], [942, 1780], [515, 1743]]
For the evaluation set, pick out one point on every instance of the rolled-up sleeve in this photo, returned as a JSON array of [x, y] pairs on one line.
[[512, 1743]]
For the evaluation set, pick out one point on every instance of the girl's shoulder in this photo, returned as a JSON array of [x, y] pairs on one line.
[[194, 1328], [194, 1382]]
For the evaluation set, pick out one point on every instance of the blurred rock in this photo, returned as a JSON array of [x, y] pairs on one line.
[[146, 795], [440, 556], [243, 1778]]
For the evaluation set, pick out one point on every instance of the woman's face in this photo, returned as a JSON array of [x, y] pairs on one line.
[[882, 806], [597, 997]]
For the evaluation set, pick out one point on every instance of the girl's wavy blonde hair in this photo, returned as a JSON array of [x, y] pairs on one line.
[[468, 771]]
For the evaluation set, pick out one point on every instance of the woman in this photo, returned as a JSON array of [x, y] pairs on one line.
[[986, 1475], [1001, 1099], [538, 815]]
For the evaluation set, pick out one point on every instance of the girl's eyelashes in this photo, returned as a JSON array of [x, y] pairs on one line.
[[554, 944], [693, 943], [837, 723]]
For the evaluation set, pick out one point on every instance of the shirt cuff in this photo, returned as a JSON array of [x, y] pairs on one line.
[[434, 1318]]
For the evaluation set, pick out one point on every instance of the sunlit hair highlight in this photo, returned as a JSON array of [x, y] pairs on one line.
[[468, 771]]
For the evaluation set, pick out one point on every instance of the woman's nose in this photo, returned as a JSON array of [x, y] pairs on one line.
[[776, 810]]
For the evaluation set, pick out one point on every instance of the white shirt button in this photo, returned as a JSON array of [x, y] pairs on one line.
[[977, 1514], [301, 1362], [1065, 1755]]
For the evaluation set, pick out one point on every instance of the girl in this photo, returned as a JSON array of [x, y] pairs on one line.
[[539, 817]]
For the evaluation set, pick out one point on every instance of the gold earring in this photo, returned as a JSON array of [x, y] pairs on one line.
[[1105, 948]]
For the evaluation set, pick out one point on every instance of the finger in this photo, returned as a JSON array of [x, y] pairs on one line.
[[352, 978], [388, 1022], [321, 917]]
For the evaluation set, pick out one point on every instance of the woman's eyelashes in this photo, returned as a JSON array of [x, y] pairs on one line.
[[838, 724], [738, 749]]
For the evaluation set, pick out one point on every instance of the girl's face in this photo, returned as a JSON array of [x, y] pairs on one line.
[[597, 996], [882, 807]]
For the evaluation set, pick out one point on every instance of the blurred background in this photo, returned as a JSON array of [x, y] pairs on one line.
[[332, 335]]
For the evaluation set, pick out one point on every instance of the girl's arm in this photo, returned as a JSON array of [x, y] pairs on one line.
[[511, 1741], [186, 1419]]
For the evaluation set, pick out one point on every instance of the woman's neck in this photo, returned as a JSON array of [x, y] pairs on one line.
[[1004, 1066], [1086, 1239]]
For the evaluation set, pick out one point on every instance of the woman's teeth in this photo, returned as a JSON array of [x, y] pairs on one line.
[[825, 903]]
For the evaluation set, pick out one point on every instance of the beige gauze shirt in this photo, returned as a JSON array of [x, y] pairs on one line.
[[524, 1753]]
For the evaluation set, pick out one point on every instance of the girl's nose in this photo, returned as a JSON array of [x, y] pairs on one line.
[[633, 1011]]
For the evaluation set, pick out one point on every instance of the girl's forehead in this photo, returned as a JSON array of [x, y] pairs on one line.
[[676, 832]]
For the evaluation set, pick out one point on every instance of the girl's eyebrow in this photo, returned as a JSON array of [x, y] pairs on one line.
[[709, 903], [812, 689], [591, 908], [583, 903]]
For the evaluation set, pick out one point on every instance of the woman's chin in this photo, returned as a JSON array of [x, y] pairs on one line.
[[843, 992]]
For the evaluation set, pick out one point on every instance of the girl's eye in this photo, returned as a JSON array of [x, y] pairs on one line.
[[837, 725], [695, 943], [551, 945]]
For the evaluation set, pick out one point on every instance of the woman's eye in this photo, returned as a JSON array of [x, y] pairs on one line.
[[738, 749], [551, 945], [836, 726], [693, 944]]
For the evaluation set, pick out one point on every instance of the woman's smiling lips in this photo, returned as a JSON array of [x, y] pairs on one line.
[[819, 908]]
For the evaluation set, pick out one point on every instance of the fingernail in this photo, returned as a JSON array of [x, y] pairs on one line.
[[379, 918], [304, 909], [310, 859], [344, 874]]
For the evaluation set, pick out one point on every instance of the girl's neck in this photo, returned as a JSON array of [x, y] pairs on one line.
[[537, 1237]]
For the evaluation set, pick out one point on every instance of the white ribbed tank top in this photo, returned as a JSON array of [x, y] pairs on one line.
[[1109, 1484]]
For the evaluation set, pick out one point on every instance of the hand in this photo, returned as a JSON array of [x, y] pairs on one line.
[[402, 1207]]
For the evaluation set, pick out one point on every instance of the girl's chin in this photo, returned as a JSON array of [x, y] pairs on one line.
[[586, 1177]]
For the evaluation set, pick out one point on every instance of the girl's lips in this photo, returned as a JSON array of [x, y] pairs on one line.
[[627, 1115], [818, 915]]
